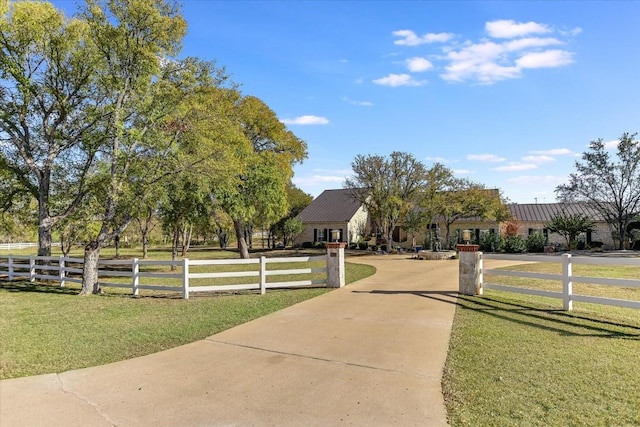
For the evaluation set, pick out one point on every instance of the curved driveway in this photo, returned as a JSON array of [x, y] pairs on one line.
[[369, 354]]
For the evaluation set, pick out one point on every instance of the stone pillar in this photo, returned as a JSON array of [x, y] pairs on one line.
[[335, 265], [469, 270]]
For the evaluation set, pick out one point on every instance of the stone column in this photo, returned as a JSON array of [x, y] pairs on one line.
[[335, 265], [469, 270]]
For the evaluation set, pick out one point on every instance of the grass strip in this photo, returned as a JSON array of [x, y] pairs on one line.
[[45, 328], [517, 360]]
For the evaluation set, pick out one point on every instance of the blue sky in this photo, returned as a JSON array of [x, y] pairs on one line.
[[508, 94]]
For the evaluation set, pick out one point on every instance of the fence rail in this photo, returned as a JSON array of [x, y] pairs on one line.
[[567, 278], [19, 246], [65, 270]]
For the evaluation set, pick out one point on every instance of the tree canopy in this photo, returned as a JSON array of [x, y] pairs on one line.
[[388, 187], [611, 184]]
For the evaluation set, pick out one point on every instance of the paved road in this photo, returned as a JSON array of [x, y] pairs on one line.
[[369, 354]]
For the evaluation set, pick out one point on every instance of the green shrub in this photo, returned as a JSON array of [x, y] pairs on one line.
[[490, 242], [536, 242], [514, 244], [363, 246]]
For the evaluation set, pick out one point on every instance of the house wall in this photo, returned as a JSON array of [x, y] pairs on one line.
[[358, 224], [308, 234], [601, 233]]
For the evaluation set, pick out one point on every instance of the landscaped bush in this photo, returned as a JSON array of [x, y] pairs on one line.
[[383, 248], [353, 246], [307, 245], [319, 245], [536, 242], [363, 246], [514, 244], [490, 242]]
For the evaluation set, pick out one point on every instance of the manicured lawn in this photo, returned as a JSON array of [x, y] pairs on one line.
[[47, 329], [517, 360]]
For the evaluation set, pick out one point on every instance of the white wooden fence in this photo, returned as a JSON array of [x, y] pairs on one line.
[[64, 270], [567, 278]]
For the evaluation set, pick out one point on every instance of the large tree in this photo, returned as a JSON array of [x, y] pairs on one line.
[[388, 187], [258, 193], [610, 185], [49, 108], [463, 198], [570, 225]]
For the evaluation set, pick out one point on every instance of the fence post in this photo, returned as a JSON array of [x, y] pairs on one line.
[[185, 278], [480, 285], [263, 275], [567, 283], [335, 265], [32, 269], [469, 270], [61, 272], [10, 268], [135, 271]]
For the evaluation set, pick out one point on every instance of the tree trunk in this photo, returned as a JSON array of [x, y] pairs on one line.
[[145, 242], [90, 274], [174, 246], [186, 239], [242, 243], [117, 239]]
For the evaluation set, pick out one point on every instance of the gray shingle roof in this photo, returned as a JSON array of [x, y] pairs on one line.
[[543, 212], [331, 206]]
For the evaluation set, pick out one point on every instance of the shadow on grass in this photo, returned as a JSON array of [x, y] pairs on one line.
[[550, 319], [24, 286]]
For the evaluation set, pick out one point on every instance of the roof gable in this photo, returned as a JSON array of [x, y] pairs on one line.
[[331, 206]]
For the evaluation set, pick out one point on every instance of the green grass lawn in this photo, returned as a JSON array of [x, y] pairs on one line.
[[45, 328], [517, 360]]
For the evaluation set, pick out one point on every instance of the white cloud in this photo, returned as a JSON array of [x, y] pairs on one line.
[[553, 152], [438, 159], [395, 80], [358, 103], [530, 42], [612, 145], [409, 38], [539, 159], [545, 59], [481, 62], [515, 167], [508, 29], [538, 180], [462, 171], [417, 64], [572, 32], [492, 158], [306, 120], [512, 48]]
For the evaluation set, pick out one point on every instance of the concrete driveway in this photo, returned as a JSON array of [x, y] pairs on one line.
[[369, 354]]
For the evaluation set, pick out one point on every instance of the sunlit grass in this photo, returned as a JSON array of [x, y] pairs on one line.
[[517, 360], [45, 328]]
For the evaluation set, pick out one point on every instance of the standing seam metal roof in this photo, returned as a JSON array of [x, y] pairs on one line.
[[331, 206]]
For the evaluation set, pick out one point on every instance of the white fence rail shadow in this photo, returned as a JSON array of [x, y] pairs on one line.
[[567, 278], [138, 272]]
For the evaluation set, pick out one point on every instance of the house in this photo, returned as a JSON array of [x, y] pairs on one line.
[[339, 210], [333, 210], [530, 218]]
